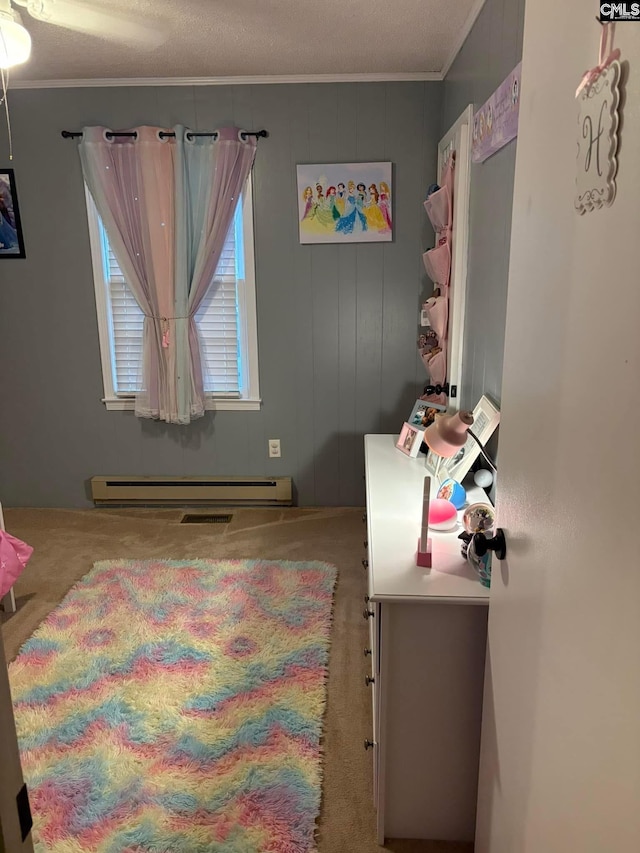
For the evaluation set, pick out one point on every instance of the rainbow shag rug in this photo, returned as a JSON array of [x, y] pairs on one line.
[[176, 707]]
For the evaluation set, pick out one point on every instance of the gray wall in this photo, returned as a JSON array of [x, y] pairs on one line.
[[491, 51], [337, 324]]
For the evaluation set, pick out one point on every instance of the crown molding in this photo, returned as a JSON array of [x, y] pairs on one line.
[[391, 77], [462, 36], [101, 83]]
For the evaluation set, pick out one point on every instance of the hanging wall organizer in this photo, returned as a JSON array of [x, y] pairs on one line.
[[437, 262]]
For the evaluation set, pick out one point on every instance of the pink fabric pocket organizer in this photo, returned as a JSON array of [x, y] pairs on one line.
[[14, 556], [437, 308], [437, 263], [441, 399], [437, 367], [438, 207]]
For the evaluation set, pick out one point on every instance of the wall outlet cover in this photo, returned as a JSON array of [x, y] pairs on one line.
[[274, 448]]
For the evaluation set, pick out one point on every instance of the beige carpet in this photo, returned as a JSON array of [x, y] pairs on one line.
[[68, 542]]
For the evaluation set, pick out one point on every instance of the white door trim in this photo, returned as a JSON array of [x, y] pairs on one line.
[[458, 139], [11, 780]]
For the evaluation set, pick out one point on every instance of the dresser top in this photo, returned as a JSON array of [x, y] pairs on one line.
[[394, 510]]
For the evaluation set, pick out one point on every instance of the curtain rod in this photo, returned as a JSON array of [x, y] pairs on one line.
[[75, 134]]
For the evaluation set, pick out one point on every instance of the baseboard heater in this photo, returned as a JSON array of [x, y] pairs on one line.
[[184, 491]]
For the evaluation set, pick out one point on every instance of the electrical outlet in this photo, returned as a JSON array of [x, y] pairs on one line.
[[274, 448]]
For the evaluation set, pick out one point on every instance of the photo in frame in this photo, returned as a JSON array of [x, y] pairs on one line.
[[11, 239], [486, 417], [424, 413], [345, 202], [410, 440]]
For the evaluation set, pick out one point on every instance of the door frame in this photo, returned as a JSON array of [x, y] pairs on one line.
[[11, 779], [458, 139]]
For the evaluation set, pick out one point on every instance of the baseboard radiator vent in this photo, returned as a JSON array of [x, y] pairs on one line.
[[206, 518], [186, 491]]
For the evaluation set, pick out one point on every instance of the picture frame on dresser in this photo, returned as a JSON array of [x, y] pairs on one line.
[[486, 417], [424, 413], [410, 440]]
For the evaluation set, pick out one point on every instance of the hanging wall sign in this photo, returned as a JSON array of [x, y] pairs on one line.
[[598, 98], [496, 122]]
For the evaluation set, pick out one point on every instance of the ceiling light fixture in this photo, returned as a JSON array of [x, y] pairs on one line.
[[15, 41]]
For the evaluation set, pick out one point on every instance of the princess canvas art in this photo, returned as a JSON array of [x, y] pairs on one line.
[[345, 203]]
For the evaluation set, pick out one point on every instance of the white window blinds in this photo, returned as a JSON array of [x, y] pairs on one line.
[[217, 320]]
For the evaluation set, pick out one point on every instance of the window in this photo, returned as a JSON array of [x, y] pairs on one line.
[[226, 320]]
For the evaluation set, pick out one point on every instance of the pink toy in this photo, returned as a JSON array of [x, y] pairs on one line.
[[14, 555], [442, 515]]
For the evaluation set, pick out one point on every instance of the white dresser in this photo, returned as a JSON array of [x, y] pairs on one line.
[[427, 639]]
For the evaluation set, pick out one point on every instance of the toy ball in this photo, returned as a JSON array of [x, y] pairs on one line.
[[442, 515], [452, 491], [478, 518], [483, 478]]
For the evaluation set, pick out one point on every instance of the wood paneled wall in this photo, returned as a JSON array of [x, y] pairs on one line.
[[337, 325], [491, 51]]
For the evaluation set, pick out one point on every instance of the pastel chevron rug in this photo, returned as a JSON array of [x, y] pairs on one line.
[[176, 707]]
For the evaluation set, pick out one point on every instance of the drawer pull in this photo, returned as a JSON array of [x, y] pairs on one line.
[[368, 744], [367, 652], [366, 599], [365, 564], [366, 543], [368, 680], [366, 614], [364, 517]]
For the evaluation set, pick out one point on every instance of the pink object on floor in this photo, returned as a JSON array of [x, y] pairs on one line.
[[442, 515], [14, 556]]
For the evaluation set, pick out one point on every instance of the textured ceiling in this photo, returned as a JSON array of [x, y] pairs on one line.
[[220, 38]]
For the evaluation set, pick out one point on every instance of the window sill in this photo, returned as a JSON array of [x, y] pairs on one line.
[[214, 404]]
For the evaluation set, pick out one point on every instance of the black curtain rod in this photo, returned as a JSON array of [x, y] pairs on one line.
[[75, 134]]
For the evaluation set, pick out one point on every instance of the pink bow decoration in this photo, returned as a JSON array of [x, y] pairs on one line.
[[589, 77], [14, 556]]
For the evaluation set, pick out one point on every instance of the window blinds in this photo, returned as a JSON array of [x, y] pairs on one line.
[[217, 322]]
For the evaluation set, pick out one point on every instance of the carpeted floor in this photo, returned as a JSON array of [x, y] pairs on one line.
[[68, 542]]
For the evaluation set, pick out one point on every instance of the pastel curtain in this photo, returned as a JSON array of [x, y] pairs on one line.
[[210, 174], [166, 204], [131, 182]]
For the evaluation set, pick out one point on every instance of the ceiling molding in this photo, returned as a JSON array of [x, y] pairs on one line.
[[102, 83], [391, 77], [462, 36]]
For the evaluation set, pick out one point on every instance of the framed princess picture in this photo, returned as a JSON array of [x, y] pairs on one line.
[[345, 202]]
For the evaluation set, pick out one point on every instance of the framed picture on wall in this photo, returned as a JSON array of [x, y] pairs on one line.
[[486, 417], [11, 240], [345, 202]]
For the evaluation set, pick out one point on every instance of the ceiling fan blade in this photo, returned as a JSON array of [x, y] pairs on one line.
[[86, 18]]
